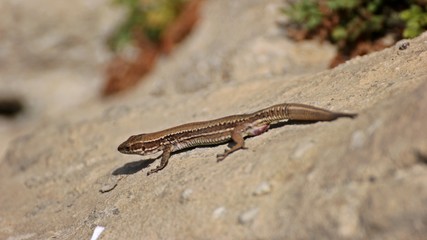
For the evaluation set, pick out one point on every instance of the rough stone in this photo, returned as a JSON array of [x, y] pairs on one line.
[[363, 178]]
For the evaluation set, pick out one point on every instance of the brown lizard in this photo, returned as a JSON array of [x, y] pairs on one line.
[[221, 130]]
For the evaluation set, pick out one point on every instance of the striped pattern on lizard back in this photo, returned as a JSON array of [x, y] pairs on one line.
[[235, 128]]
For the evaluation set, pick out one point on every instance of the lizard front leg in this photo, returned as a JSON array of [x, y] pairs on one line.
[[238, 134], [165, 157]]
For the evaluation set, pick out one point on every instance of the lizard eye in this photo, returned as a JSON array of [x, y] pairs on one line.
[[124, 148]]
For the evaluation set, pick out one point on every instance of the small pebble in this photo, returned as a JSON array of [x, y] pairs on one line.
[[248, 216], [97, 232], [262, 189], [403, 45], [358, 139], [218, 212], [301, 149], [185, 195]]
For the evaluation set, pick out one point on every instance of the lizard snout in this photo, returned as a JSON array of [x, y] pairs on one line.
[[124, 148]]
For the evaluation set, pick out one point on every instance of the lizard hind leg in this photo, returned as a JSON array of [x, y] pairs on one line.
[[237, 137], [238, 134]]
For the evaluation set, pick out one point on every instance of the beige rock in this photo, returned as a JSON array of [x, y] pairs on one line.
[[363, 178]]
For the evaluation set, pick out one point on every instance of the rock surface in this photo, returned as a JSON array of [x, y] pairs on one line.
[[364, 178]]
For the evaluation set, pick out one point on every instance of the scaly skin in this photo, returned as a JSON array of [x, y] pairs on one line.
[[221, 130]]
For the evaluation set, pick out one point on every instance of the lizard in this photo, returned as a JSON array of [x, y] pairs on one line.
[[231, 128]]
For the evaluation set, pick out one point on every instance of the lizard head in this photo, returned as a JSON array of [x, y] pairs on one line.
[[136, 144]]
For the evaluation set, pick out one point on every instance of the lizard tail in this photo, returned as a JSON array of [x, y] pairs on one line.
[[302, 112], [298, 112]]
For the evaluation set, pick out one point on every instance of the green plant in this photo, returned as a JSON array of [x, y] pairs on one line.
[[353, 23], [350, 19], [306, 12], [147, 17], [415, 20]]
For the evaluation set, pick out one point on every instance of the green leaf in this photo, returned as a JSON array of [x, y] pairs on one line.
[[343, 4], [339, 33], [306, 13], [416, 21]]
